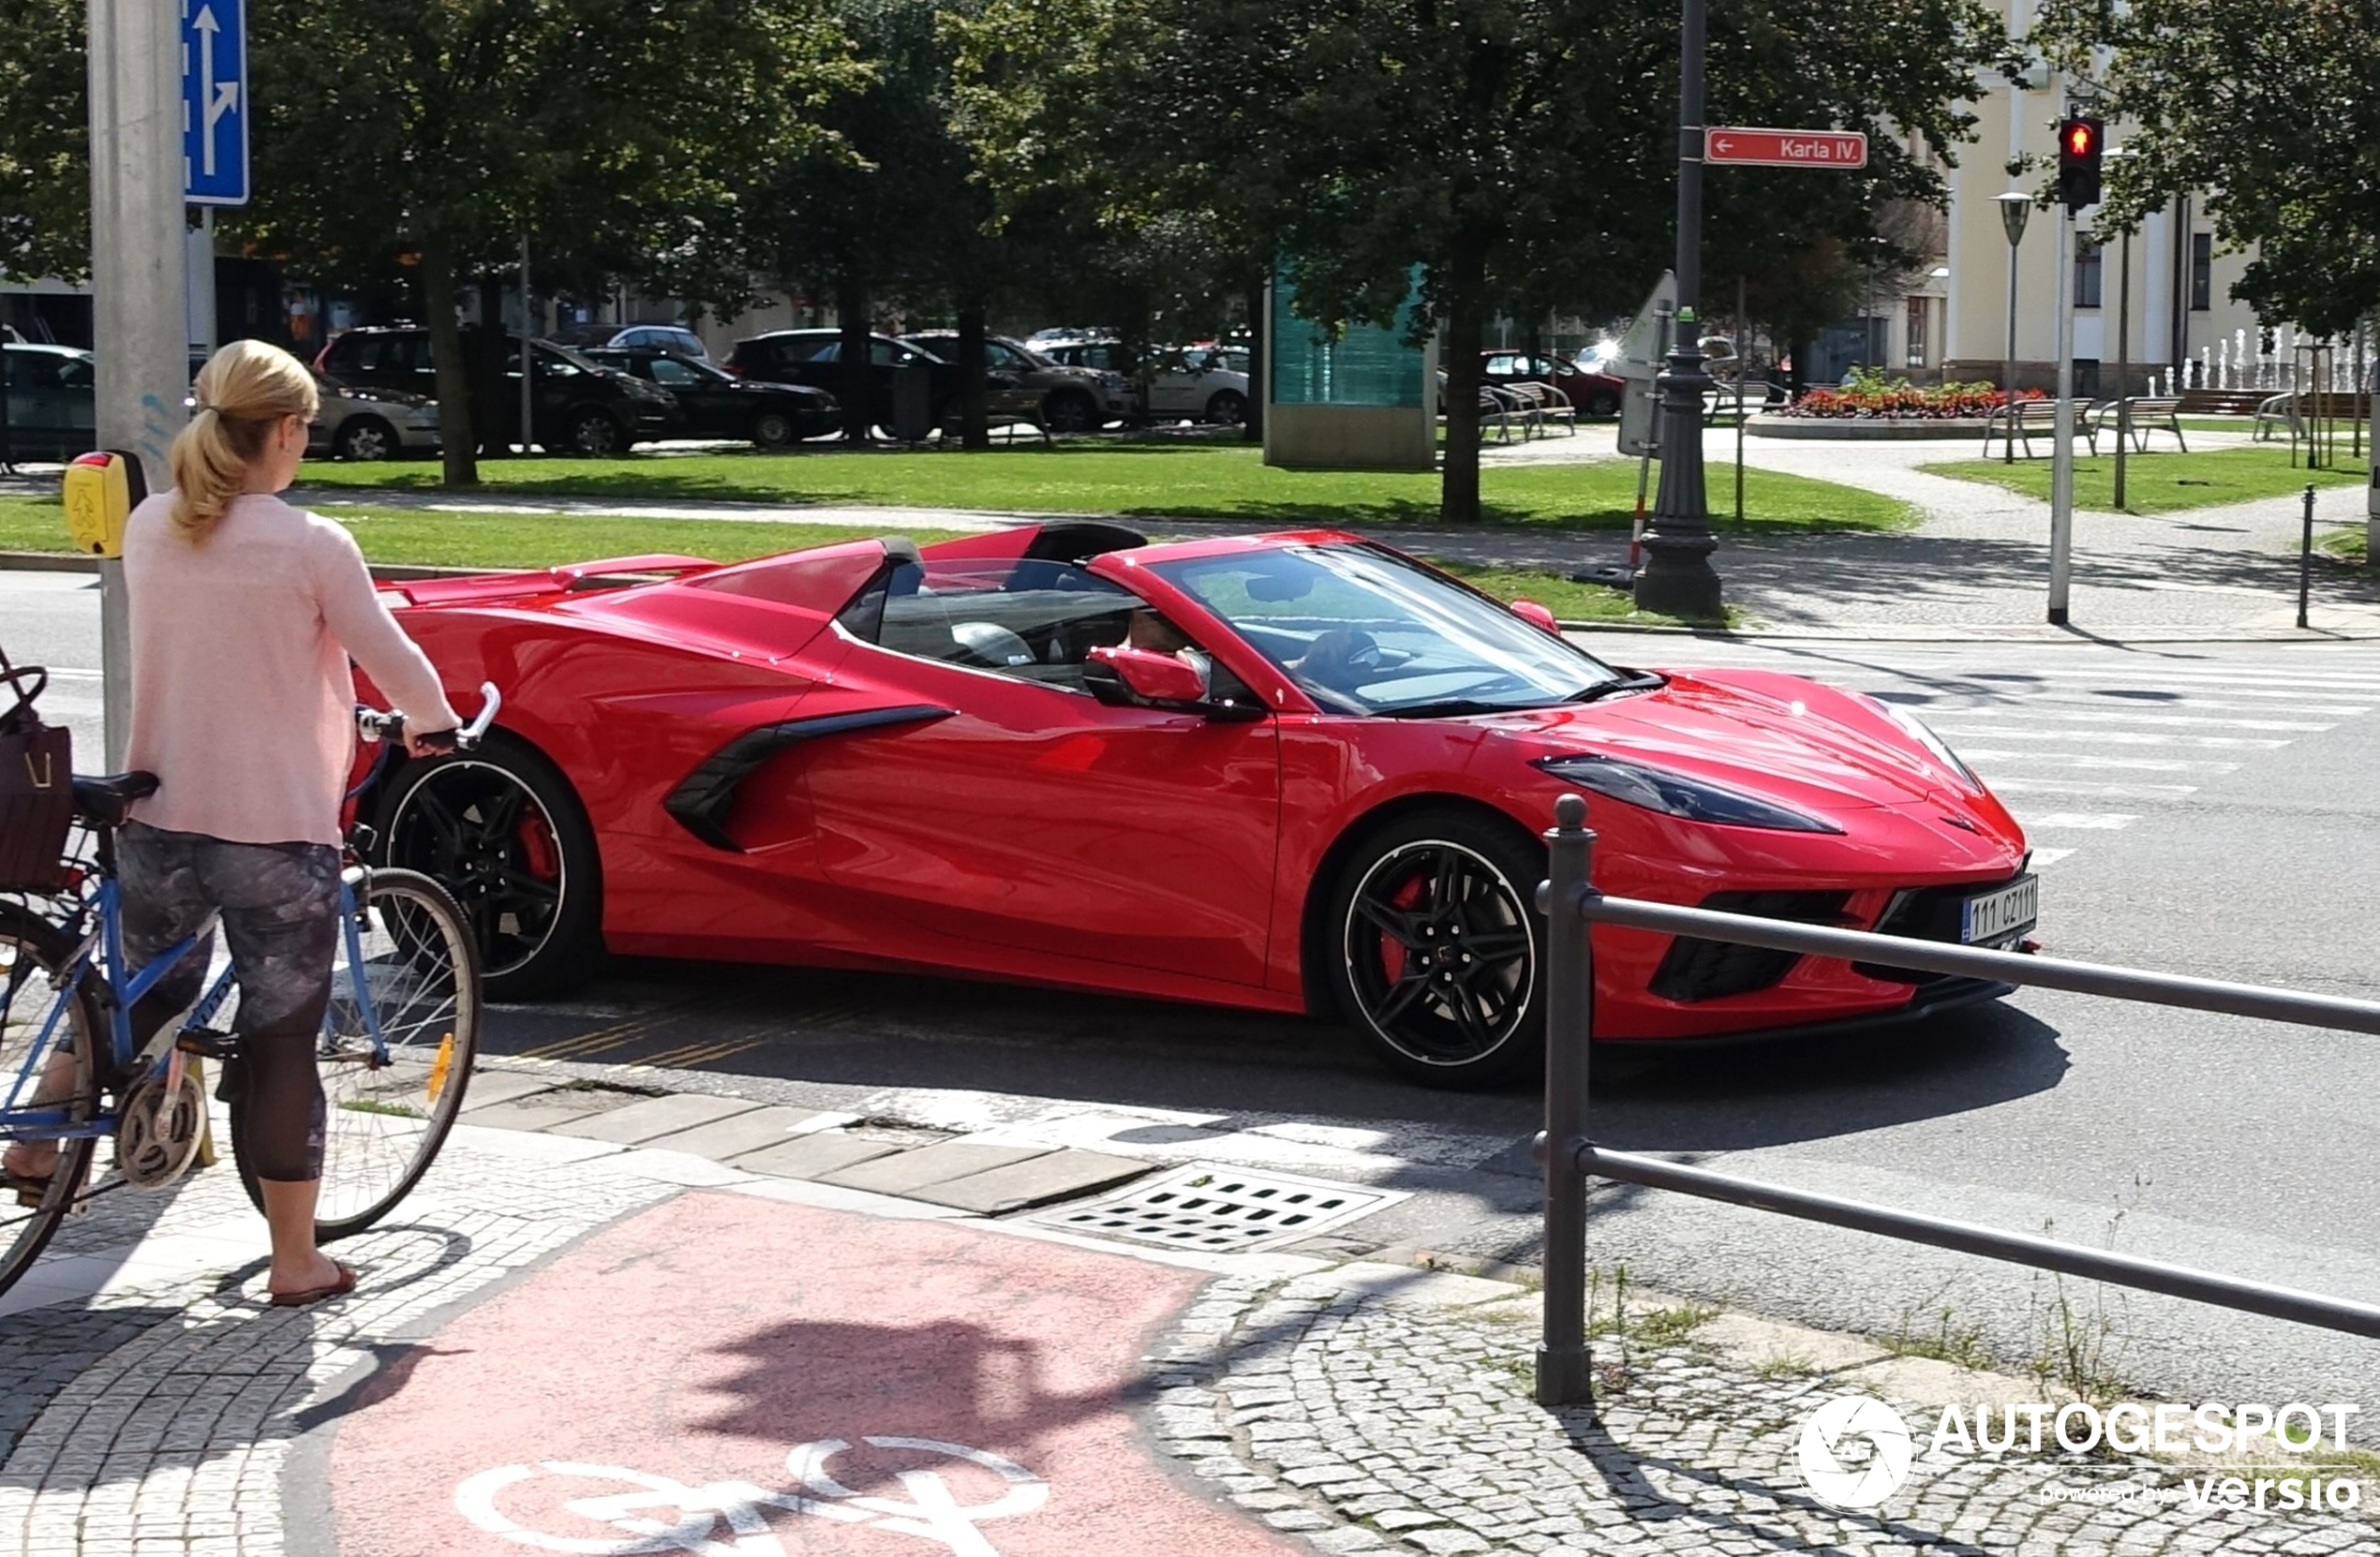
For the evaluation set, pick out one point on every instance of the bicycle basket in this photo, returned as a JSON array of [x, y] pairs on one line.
[[36, 786]]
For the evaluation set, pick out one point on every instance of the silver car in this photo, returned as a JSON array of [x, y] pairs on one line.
[[358, 423]]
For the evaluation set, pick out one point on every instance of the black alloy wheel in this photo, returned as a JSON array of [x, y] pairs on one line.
[[1069, 412], [594, 432], [1228, 407], [502, 832], [1434, 951], [365, 438], [1602, 403], [772, 429]]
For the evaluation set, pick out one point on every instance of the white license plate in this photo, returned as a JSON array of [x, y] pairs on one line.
[[1998, 915]]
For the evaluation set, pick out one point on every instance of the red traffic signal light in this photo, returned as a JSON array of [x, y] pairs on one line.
[[2078, 148]]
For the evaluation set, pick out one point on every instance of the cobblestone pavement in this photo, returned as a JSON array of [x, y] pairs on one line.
[[1369, 1425]]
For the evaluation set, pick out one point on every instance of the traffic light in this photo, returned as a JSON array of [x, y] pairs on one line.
[[2078, 143]]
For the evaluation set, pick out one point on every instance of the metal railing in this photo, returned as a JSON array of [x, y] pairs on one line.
[[1571, 904]]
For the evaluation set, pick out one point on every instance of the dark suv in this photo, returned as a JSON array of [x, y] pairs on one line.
[[579, 408], [814, 357]]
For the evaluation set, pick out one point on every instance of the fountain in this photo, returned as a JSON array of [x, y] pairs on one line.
[[2222, 366]]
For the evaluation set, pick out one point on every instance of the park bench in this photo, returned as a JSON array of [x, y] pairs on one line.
[[1545, 405], [2035, 419], [1504, 415], [2144, 414], [2281, 411]]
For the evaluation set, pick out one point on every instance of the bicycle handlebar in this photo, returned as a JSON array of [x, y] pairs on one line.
[[374, 725]]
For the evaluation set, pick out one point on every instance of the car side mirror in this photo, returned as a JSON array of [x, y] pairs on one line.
[[1537, 615], [1144, 677]]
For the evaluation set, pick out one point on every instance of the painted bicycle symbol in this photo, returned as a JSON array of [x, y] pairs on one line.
[[660, 1515]]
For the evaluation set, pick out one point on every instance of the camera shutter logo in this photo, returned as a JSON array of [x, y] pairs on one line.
[[1840, 1421]]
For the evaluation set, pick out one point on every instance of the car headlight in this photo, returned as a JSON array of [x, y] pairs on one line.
[[1920, 731], [1674, 794]]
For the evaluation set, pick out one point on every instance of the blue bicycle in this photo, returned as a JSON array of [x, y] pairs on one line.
[[395, 1053]]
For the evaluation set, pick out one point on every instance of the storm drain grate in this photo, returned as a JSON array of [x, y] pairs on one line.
[[1212, 1208]]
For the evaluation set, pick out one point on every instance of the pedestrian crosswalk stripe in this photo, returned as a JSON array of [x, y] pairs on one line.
[[2049, 856], [2116, 716], [2098, 698], [2097, 821], [2112, 737], [2113, 791], [2093, 760]]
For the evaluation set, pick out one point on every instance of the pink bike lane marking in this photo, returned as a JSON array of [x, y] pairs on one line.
[[729, 1374]]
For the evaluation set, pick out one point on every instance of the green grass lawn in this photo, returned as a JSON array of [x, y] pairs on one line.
[[1152, 480], [2164, 481], [494, 541]]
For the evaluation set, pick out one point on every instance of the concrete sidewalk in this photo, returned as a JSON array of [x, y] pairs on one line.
[[587, 1332]]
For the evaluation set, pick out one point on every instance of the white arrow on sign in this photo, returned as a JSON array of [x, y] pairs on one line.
[[221, 97]]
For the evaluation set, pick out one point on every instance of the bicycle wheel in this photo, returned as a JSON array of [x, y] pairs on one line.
[[32, 952], [414, 969]]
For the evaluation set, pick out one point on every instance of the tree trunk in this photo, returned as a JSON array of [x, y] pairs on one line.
[[457, 446], [1459, 353], [499, 412], [1252, 429], [975, 411], [859, 376]]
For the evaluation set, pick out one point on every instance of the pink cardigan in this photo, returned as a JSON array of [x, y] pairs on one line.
[[242, 703]]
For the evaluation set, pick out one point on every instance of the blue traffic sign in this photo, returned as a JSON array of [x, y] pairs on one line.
[[215, 102]]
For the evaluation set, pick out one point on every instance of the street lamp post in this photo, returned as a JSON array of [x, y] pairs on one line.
[[2014, 206], [1678, 578]]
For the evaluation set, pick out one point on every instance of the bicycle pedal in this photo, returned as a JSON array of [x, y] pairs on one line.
[[207, 1044]]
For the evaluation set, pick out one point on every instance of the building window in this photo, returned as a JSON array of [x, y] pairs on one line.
[[2202, 272], [2087, 268], [1920, 309]]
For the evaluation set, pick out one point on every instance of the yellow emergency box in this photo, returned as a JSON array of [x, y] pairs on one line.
[[101, 488]]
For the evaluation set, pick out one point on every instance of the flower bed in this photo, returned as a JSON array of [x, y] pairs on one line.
[[1902, 402]]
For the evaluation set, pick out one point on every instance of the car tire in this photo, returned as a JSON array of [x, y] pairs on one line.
[[500, 828], [1432, 949], [1602, 403], [1228, 407], [1070, 411], [365, 438], [592, 430], [772, 429]]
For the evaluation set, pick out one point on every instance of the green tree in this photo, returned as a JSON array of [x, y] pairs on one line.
[[621, 136], [1522, 152], [45, 176], [2269, 113]]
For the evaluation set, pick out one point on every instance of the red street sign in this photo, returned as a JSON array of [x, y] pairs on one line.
[[1785, 148]]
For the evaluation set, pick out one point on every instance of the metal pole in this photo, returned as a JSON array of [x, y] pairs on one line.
[[528, 364], [1678, 579], [2305, 561], [2014, 208], [1742, 338], [2123, 361], [2061, 453], [203, 335], [1563, 1373], [140, 280]]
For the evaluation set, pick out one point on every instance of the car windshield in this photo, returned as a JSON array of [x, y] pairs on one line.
[[1362, 630]]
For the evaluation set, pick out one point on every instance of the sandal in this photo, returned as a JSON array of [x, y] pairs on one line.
[[340, 1288], [31, 1191]]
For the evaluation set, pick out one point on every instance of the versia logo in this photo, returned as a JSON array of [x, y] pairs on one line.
[[1840, 1472]]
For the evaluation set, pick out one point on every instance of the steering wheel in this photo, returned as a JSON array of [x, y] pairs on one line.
[[1339, 657]]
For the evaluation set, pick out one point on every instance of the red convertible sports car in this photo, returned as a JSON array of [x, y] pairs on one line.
[[1295, 772]]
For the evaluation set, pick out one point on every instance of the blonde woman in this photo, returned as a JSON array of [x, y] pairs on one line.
[[245, 613]]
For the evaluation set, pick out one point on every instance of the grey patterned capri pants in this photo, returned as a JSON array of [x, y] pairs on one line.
[[280, 908]]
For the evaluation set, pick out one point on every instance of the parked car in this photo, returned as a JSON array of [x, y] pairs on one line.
[[876, 754], [359, 422], [1197, 382], [1073, 399], [580, 408], [634, 338], [52, 406], [717, 404], [814, 357], [1593, 394]]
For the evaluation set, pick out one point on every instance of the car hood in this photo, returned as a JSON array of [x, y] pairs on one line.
[[1808, 746]]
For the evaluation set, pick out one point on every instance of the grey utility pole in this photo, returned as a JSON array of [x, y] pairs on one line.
[[2014, 206], [2062, 452], [1677, 576], [140, 277]]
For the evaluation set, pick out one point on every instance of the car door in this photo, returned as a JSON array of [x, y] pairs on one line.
[[1175, 390], [710, 406], [1020, 811]]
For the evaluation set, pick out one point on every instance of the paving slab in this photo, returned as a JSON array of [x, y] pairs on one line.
[[493, 1086], [815, 1156], [909, 1172], [545, 1110], [1035, 1182], [734, 1134], [640, 1123]]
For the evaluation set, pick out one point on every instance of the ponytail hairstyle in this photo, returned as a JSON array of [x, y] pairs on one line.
[[243, 392]]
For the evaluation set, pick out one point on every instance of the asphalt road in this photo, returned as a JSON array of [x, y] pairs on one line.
[[2202, 810]]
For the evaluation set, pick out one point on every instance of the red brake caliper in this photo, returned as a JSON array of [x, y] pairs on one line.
[[539, 849], [1392, 951]]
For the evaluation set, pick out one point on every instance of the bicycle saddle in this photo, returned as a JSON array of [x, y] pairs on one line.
[[106, 798]]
